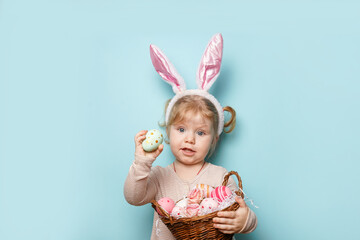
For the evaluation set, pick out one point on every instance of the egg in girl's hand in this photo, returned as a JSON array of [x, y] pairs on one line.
[[152, 141], [167, 204]]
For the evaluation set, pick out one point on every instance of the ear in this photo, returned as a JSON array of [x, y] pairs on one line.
[[166, 70], [214, 141], [210, 63], [216, 138], [212, 146]]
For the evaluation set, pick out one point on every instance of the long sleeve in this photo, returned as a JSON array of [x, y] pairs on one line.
[[251, 220], [251, 223], [140, 186]]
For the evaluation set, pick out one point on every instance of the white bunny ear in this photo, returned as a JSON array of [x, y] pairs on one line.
[[210, 63], [166, 70]]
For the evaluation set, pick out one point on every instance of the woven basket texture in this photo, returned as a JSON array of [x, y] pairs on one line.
[[200, 227]]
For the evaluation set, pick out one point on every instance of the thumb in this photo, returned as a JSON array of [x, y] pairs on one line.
[[159, 150], [241, 202]]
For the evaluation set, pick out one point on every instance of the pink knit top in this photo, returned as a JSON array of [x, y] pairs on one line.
[[145, 183]]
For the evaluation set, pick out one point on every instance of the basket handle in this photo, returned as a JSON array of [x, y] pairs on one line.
[[226, 179], [158, 208]]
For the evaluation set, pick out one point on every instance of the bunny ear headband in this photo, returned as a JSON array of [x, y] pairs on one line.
[[208, 71]]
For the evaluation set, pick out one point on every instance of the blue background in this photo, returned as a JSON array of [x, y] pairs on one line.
[[77, 83]]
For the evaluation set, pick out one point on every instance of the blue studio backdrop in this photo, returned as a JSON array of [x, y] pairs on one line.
[[77, 84]]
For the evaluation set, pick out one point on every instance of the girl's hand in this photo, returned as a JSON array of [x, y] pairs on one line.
[[139, 138], [230, 222]]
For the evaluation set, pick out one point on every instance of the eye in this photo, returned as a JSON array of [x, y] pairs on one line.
[[200, 133], [181, 129]]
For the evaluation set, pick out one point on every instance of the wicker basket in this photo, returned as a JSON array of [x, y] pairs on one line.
[[200, 227]]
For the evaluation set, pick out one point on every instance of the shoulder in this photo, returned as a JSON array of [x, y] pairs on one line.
[[160, 173], [161, 169], [217, 170], [215, 175]]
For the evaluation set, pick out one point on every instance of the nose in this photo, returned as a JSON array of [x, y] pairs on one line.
[[190, 138]]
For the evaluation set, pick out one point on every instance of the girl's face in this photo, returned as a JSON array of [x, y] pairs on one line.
[[190, 140]]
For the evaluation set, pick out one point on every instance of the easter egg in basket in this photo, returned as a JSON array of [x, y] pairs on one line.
[[167, 204], [221, 193]]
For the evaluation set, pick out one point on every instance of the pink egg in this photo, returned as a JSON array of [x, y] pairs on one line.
[[167, 204], [192, 210], [208, 205], [220, 193], [195, 196]]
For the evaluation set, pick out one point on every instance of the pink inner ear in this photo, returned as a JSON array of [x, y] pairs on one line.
[[210, 63], [164, 67], [210, 71]]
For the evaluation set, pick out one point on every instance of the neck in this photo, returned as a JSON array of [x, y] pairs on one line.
[[188, 172]]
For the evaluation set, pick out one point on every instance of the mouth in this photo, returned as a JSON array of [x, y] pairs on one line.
[[188, 151]]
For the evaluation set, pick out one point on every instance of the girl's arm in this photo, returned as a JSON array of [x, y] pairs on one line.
[[242, 220], [251, 223], [140, 185]]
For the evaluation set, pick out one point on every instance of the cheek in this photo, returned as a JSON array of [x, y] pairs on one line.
[[172, 146], [174, 140], [171, 135], [207, 144]]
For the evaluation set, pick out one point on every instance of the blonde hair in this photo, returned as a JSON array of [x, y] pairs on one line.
[[198, 104]]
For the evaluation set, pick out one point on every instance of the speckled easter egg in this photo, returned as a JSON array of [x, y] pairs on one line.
[[208, 205], [221, 193], [167, 204], [178, 212], [152, 141]]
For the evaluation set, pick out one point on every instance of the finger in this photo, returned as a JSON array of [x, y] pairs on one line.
[[227, 214], [140, 136], [228, 221], [141, 133], [241, 202], [158, 151], [227, 231], [225, 228], [139, 141]]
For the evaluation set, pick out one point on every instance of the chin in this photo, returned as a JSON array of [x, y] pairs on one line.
[[190, 162]]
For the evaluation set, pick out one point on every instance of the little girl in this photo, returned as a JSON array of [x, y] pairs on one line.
[[194, 120]]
